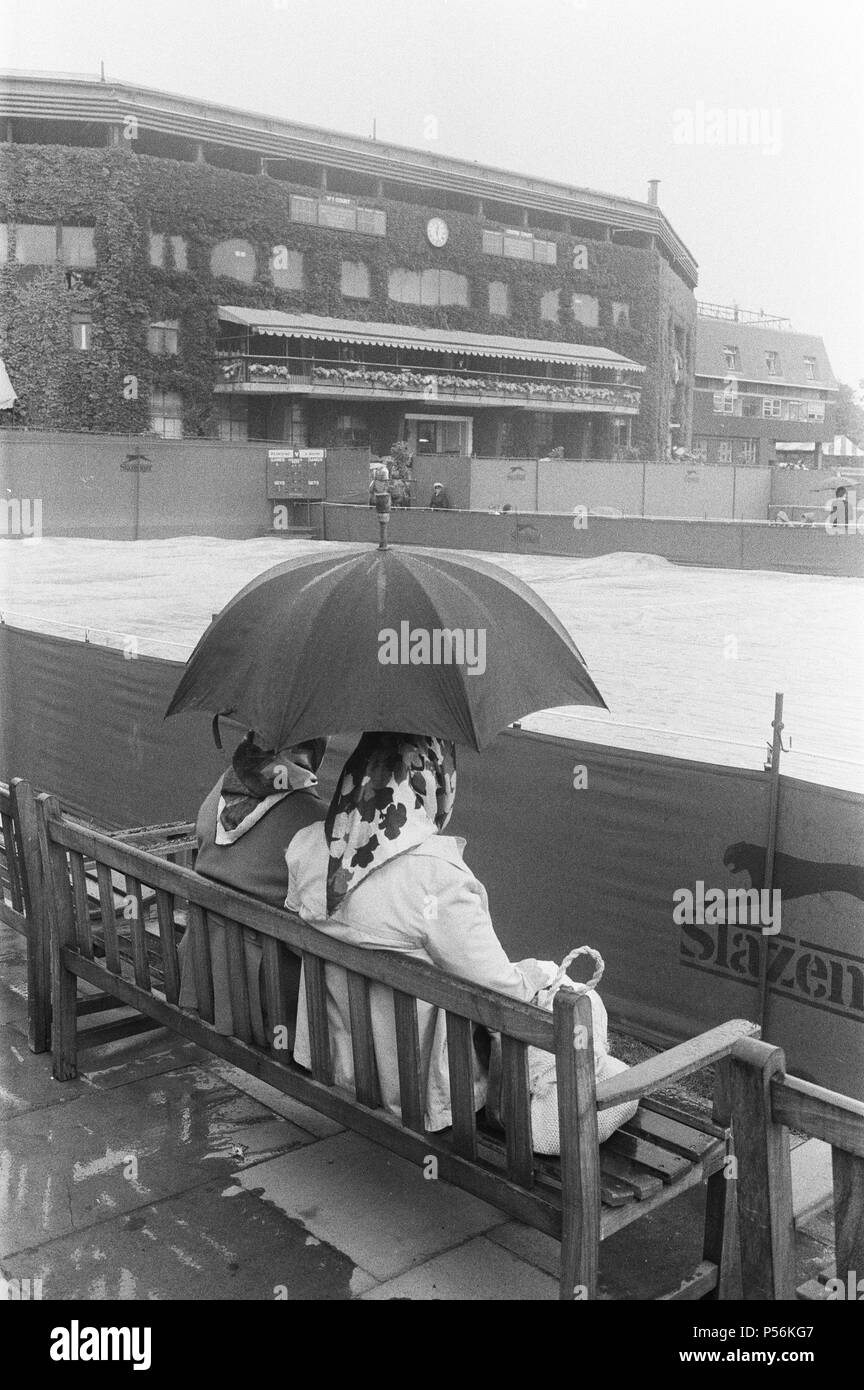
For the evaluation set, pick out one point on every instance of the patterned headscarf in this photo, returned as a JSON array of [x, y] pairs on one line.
[[260, 777], [395, 791]]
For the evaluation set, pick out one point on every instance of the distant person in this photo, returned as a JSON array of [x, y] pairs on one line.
[[439, 500], [244, 827], [507, 507]]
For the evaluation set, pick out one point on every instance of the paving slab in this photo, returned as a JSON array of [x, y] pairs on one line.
[[476, 1271], [210, 1243], [68, 1166], [107, 1065], [13, 1004], [376, 1207], [286, 1106], [26, 1082]]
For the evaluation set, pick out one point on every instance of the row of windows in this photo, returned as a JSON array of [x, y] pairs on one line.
[[520, 246], [38, 243], [727, 450], [766, 407], [773, 366]]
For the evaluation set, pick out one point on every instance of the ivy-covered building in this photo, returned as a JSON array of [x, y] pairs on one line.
[[170, 265]]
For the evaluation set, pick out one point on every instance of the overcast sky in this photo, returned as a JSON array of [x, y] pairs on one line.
[[603, 94]]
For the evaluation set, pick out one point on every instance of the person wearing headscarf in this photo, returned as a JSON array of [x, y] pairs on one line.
[[381, 874], [243, 828]]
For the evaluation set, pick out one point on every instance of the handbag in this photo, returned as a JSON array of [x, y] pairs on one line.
[[542, 1079]]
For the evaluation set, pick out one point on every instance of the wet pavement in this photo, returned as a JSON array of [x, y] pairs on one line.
[[163, 1173]]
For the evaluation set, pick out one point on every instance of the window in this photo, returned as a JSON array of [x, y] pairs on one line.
[[772, 363], [586, 310], [355, 280], [499, 298], [549, 306], [76, 246], [724, 451], [4, 243], [699, 449], [724, 403], [162, 337], [159, 243], [166, 414], [232, 418], [751, 406], [731, 359], [235, 259], [772, 408], [431, 287], [82, 332], [520, 246], [340, 214], [351, 432], [35, 244], [620, 314], [439, 434], [793, 410], [748, 450], [815, 410], [286, 268], [621, 432], [810, 368]]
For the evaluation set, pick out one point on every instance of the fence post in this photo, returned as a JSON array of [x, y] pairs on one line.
[[765, 1220]]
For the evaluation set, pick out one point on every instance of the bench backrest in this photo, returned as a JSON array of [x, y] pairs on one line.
[[67, 846], [14, 892]]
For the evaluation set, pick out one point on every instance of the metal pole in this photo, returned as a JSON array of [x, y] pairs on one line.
[[768, 879]]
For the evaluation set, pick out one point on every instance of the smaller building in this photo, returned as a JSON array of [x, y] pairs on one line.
[[759, 387]]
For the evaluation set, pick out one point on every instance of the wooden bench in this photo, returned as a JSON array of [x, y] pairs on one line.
[[766, 1104], [22, 905], [580, 1199]]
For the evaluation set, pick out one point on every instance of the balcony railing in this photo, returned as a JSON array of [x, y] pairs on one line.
[[459, 384]]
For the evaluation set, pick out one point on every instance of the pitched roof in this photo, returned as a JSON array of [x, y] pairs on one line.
[[752, 342]]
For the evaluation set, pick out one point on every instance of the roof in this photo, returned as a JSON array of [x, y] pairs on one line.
[[47, 96], [273, 321], [752, 342]]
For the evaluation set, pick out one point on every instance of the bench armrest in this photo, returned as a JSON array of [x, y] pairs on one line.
[[680, 1061]]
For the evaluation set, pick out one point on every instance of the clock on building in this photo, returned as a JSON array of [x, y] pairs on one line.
[[437, 231]]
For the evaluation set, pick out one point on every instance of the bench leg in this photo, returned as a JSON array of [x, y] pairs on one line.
[[720, 1246]]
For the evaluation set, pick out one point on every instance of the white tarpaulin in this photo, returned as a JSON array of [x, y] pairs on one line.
[[7, 392]]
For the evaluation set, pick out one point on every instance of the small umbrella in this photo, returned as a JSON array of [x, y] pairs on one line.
[[435, 642]]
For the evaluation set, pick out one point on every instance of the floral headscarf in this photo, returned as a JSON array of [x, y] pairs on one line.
[[258, 778], [395, 791]]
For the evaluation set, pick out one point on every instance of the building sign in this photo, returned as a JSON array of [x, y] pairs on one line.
[[295, 473]]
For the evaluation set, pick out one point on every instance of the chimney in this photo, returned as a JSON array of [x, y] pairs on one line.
[[653, 185]]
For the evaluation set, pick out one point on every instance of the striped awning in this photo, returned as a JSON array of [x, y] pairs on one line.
[[404, 335]]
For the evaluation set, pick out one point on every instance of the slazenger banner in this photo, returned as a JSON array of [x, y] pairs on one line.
[[638, 855]]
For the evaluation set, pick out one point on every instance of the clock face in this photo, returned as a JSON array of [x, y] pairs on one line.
[[437, 231]]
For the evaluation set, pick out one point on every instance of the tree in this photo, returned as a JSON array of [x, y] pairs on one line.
[[850, 411]]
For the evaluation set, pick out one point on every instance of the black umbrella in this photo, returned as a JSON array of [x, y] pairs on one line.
[[435, 642]]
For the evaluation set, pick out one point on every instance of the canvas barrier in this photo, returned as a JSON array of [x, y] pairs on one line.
[[575, 842]]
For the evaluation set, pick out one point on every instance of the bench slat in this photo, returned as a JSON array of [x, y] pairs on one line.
[[517, 1110], [667, 1166], [848, 1173], [168, 939], [641, 1183], [673, 1135], [319, 1028], [408, 1061], [238, 984], [366, 1085], [199, 944], [82, 904], [10, 844], [109, 922], [460, 1065], [276, 997], [140, 964]]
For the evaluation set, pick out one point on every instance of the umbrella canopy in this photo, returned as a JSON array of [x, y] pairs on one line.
[[435, 642]]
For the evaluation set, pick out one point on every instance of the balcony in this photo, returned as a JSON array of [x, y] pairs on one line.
[[246, 373]]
